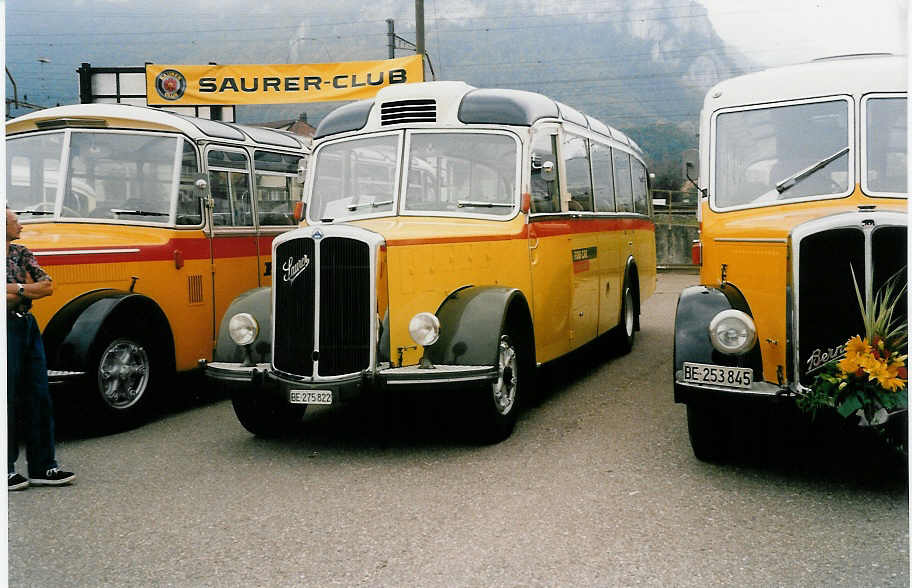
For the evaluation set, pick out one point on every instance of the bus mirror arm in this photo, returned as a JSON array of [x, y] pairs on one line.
[[691, 159]]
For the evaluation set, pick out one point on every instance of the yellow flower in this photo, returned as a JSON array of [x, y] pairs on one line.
[[888, 377], [848, 364], [857, 346]]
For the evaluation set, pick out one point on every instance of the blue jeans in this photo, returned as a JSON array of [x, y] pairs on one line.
[[28, 394]]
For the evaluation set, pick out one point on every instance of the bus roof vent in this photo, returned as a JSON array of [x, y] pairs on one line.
[[408, 111]]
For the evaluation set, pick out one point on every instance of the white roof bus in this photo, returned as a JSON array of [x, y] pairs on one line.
[[149, 224], [804, 179], [454, 236]]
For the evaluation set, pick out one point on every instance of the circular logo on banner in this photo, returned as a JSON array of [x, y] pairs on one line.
[[170, 84]]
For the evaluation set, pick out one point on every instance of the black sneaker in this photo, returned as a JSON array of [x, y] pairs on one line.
[[54, 477], [16, 482]]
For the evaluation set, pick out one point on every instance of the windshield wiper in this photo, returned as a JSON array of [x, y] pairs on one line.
[[138, 212], [800, 175], [372, 204], [35, 212], [462, 203]]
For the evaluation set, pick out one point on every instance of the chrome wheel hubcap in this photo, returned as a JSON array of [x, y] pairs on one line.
[[504, 388], [123, 373]]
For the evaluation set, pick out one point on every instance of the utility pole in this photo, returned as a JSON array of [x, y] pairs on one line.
[[391, 35], [419, 28]]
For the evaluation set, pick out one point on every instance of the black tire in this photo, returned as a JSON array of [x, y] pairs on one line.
[[498, 402], [262, 412], [124, 374], [623, 335], [709, 432]]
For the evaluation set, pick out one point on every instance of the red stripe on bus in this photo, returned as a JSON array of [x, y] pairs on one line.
[[223, 247], [541, 228]]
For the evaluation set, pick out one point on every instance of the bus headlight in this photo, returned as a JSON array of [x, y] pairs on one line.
[[732, 332], [424, 329], [243, 328]]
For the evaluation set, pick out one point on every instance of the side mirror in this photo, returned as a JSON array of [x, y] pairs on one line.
[[302, 171], [544, 164], [300, 209], [691, 160]]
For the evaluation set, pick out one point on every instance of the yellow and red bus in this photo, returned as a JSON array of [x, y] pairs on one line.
[[149, 224], [453, 236], [804, 183]]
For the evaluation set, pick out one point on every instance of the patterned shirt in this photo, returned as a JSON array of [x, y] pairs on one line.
[[21, 263]]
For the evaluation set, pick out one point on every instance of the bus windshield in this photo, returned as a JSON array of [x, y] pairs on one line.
[[447, 173], [115, 176], [461, 173], [355, 178], [766, 155]]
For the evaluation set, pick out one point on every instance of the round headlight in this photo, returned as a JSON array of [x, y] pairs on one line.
[[243, 328], [424, 328], [732, 332]]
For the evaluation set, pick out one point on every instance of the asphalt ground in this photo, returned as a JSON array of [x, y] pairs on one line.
[[597, 486]]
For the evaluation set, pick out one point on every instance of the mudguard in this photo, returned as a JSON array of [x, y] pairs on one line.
[[471, 321], [70, 335], [697, 305], [258, 303]]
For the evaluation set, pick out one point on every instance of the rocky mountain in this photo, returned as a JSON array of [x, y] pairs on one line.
[[640, 65]]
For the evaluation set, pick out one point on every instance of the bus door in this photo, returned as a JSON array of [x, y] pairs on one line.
[[549, 249], [611, 240], [278, 185], [624, 191], [584, 246], [233, 238]]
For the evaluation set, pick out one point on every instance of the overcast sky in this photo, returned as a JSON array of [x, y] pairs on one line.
[[779, 32], [46, 40]]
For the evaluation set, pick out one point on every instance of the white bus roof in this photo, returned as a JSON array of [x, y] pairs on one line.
[[124, 116], [848, 75], [455, 104]]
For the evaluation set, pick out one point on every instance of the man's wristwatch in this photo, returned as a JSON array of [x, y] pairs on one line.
[[20, 289]]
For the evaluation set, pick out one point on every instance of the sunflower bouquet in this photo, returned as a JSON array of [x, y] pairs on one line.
[[870, 380]]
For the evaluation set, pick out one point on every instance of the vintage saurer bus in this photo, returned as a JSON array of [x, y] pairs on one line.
[[454, 236], [802, 171], [150, 224]]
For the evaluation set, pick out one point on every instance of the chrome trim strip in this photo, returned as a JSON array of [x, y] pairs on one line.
[[757, 388], [415, 375], [749, 240], [87, 251]]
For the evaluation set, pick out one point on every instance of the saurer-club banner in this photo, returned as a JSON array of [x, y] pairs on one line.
[[185, 85]]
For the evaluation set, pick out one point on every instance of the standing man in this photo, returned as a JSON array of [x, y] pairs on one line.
[[26, 368]]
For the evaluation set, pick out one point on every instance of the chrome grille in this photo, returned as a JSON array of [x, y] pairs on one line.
[[322, 318], [827, 305]]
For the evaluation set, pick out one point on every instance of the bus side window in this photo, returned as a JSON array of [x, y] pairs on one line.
[[640, 191], [622, 181], [544, 192], [602, 177], [579, 180], [276, 187]]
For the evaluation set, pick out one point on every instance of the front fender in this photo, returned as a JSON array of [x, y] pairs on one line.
[[471, 321], [71, 334], [258, 303], [697, 305]]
